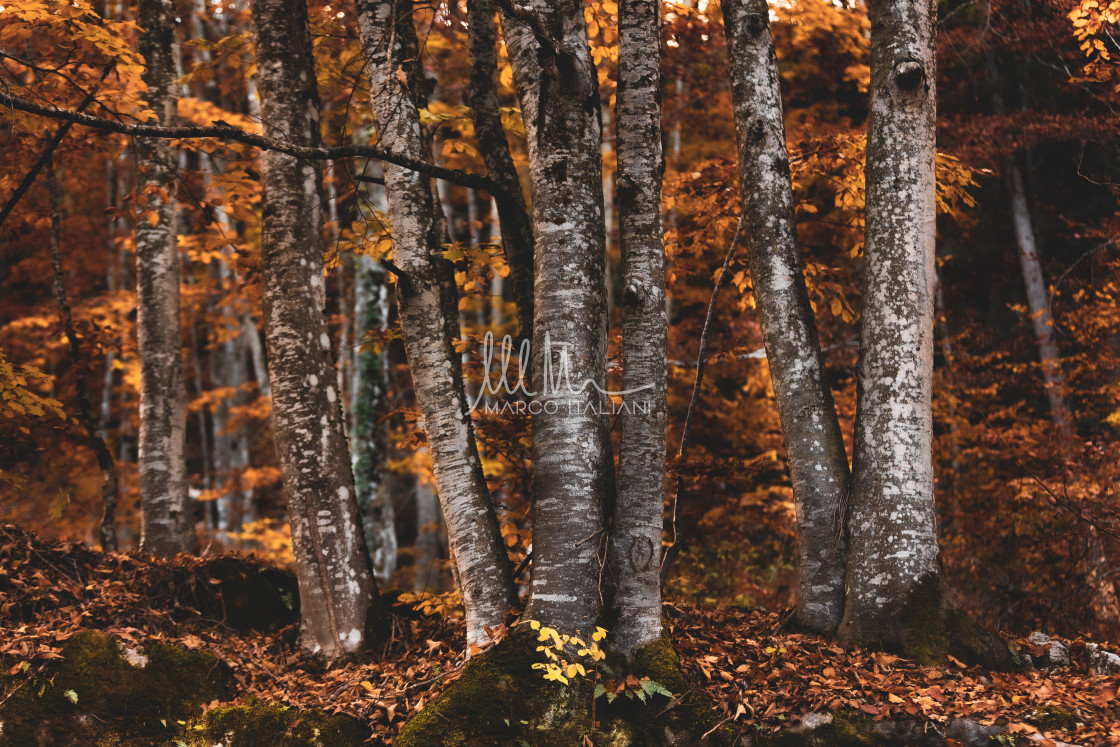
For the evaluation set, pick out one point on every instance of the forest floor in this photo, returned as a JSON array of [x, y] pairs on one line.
[[760, 677]]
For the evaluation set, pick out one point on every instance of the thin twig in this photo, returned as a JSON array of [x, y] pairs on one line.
[[1062, 501], [671, 550]]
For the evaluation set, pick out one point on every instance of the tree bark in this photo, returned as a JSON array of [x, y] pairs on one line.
[[1038, 302], [167, 525], [517, 231], [557, 86], [369, 438], [893, 555], [107, 530], [636, 529], [818, 462], [337, 589], [428, 314]]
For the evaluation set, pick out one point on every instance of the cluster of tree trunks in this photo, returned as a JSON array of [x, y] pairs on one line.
[[868, 553]]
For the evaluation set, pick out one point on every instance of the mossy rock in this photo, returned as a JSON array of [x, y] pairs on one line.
[[1054, 718], [99, 694], [274, 725], [252, 597], [501, 700], [841, 730]]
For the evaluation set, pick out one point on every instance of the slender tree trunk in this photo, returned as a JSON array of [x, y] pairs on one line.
[[168, 521], [428, 314], [517, 231], [572, 472], [369, 438], [817, 460], [337, 590], [1038, 301], [107, 531], [636, 529]]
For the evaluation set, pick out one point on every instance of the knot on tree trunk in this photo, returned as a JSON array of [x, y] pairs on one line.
[[908, 75]]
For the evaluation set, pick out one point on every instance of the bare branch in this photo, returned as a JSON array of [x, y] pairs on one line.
[[224, 131]]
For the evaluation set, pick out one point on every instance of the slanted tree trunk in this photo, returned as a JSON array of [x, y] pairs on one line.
[[1038, 302], [818, 461], [636, 529], [517, 231], [167, 525], [896, 592], [389, 44], [557, 85], [337, 590]]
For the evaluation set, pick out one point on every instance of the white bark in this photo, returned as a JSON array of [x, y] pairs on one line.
[[893, 553], [572, 470], [167, 525], [815, 446], [369, 437], [1038, 300], [636, 528], [337, 590], [428, 314]]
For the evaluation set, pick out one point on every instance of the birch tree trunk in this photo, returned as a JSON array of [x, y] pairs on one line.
[[368, 437], [1038, 302], [390, 48], [818, 462], [557, 85], [896, 593], [893, 552], [636, 529], [338, 593], [167, 522], [517, 231]]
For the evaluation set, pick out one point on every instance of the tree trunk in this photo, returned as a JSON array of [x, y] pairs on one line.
[[896, 594], [893, 553], [1038, 302], [818, 461], [517, 231], [167, 524], [390, 47], [337, 590], [557, 85], [636, 529], [369, 437], [107, 530]]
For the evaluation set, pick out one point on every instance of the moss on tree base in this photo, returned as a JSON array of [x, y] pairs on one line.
[[927, 627], [934, 627], [501, 700]]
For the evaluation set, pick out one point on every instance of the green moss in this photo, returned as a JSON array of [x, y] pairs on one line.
[[1053, 718], [97, 696], [934, 627], [500, 700], [845, 730], [271, 724]]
